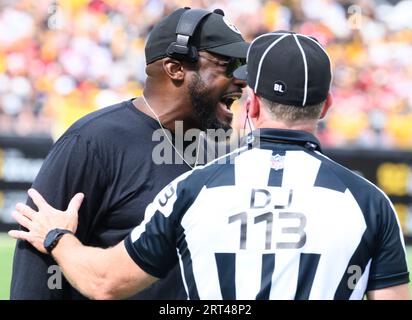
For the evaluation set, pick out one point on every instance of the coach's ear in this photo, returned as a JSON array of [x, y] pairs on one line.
[[173, 69], [326, 106]]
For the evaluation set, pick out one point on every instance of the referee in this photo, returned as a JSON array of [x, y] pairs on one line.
[[276, 220]]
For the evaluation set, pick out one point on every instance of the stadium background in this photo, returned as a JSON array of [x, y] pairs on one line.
[[62, 59]]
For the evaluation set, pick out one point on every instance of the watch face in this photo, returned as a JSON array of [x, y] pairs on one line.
[[52, 238]]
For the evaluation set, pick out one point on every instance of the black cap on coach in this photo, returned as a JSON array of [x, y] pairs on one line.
[[287, 68], [214, 33]]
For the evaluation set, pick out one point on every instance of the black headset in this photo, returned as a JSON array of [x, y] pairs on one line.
[[186, 27]]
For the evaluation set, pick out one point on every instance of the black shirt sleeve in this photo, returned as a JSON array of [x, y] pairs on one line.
[[71, 166], [388, 266]]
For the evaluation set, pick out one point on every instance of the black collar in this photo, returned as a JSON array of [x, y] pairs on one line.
[[303, 138]]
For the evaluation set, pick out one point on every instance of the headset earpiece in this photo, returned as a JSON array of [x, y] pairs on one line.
[[180, 52], [188, 22]]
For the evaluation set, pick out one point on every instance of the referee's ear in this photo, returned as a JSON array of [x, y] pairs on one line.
[[254, 105], [326, 106]]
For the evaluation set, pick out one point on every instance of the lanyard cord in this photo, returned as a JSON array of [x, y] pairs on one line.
[[168, 139]]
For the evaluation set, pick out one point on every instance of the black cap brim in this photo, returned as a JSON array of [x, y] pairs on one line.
[[234, 49], [241, 73]]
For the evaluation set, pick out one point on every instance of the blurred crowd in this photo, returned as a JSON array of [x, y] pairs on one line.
[[62, 59]]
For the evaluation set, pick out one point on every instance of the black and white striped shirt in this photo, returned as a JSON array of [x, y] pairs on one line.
[[281, 221]]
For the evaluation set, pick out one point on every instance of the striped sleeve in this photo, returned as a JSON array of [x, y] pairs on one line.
[[389, 266], [152, 244]]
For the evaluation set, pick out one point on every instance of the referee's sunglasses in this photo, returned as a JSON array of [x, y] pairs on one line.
[[231, 65]]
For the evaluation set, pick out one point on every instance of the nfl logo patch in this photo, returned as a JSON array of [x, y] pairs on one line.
[[277, 162]]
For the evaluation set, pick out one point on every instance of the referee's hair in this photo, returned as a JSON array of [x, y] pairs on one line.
[[290, 113]]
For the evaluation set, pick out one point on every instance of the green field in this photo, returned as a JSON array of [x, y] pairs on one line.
[[6, 257]]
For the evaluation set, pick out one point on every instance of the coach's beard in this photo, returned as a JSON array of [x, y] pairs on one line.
[[205, 106]]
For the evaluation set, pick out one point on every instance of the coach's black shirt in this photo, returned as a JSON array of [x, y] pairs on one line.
[[107, 155]]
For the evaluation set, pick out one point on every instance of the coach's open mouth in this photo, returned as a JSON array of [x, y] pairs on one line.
[[228, 99]]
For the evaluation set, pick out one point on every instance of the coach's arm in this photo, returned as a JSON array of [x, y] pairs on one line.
[[97, 273]]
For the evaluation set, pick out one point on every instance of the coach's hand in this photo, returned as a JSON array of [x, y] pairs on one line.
[[47, 218]]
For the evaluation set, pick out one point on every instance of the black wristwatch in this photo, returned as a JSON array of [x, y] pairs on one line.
[[53, 237]]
